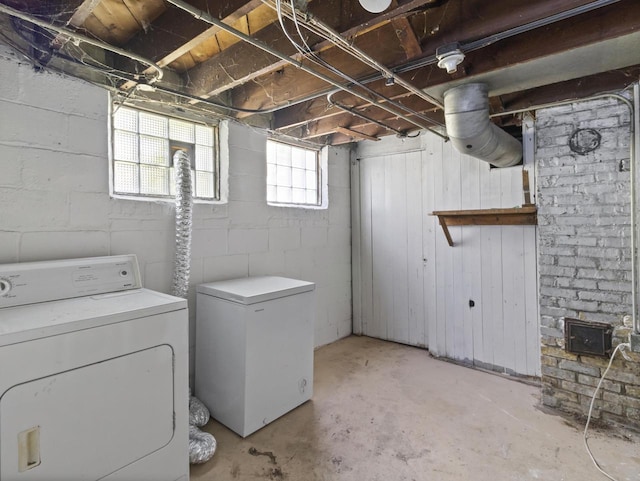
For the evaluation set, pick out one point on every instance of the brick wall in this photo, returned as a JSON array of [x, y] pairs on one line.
[[584, 254]]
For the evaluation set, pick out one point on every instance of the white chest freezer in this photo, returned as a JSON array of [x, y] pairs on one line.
[[254, 349]]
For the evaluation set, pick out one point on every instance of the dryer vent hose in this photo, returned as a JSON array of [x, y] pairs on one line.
[[184, 210], [202, 445]]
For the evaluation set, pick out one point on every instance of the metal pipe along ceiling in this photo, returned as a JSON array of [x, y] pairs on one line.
[[466, 113], [206, 17]]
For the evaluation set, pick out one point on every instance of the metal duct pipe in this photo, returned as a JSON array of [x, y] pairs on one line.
[[466, 113], [184, 208]]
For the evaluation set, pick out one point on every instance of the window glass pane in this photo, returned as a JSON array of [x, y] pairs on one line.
[[284, 194], [271, 174], [151, 124], [272, 193], [311, 179], [312, 197], [204, 185], [312, 158], [181, 131], [143, 143], [154, 150], [204, 135], [172, 181], [125, 177], [283, 176], [204, 158], [125, 146], [298, 157], [126, 119], [154, 180], [298, 178], [283, 154], [294, 172], [299, 196]]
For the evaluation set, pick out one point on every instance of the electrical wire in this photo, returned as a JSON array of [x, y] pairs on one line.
[[307, 52], [333, 38], [82, 38], [205, 16], [620, 348]]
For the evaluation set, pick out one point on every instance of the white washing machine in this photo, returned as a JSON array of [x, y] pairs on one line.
[[93, 374], [254, 349]]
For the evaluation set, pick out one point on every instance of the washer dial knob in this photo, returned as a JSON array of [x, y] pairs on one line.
[[5, 287]]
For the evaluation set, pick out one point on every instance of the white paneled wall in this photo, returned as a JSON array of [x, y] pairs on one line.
[[410, 286], [54, 201]]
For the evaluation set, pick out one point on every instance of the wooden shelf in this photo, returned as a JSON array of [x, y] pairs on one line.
[[525, 215]]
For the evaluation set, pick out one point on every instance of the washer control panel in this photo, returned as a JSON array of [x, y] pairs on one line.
[[32, 282]]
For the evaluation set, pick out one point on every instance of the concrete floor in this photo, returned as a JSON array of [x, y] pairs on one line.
[[383, 411]]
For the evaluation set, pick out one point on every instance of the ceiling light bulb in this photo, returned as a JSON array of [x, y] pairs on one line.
[[375, 6]]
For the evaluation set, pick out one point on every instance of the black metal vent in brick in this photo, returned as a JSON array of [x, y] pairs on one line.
[[585, 337]]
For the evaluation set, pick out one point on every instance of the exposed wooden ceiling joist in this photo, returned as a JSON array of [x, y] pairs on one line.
[[608, 22], [201, 61]]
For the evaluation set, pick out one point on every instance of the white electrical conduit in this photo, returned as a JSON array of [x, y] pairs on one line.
[[326, 32], [82, 38], [206, 17], [635, 146], [307, 52]]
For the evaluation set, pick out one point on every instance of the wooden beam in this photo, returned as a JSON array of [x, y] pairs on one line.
[[242, 63], [176, 31], [408, 39], [607, 22], [355, 135], [290, 83]]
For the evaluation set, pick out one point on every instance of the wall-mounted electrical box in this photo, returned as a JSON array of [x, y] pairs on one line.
[[586, 337]]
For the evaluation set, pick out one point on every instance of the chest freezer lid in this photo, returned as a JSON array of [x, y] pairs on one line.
[[251, 290]]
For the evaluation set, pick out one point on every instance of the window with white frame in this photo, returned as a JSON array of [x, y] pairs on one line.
[[293, 175], [142, 156]]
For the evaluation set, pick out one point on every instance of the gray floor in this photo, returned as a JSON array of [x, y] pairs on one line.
[[383, 411]]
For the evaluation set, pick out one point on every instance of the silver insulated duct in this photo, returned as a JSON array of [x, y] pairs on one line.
[[466, 113], [184, 207]]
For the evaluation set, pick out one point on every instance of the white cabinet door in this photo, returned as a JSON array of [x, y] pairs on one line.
[[86, 423]]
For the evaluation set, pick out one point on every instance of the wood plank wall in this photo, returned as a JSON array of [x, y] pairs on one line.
[[412, 287]]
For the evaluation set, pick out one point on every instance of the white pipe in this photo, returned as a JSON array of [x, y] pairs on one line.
[[84, 39], [206, 17], [635, 144]]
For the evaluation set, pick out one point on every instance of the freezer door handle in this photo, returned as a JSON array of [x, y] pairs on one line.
[[29, 449]]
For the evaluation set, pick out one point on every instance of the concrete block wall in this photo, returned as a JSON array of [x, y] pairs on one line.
[[584, 255], [54, 201]]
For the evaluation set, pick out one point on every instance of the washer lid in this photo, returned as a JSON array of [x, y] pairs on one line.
[[251, 290]]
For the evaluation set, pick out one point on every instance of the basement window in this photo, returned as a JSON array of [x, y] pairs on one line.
[[142, 150], [294, 176]]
